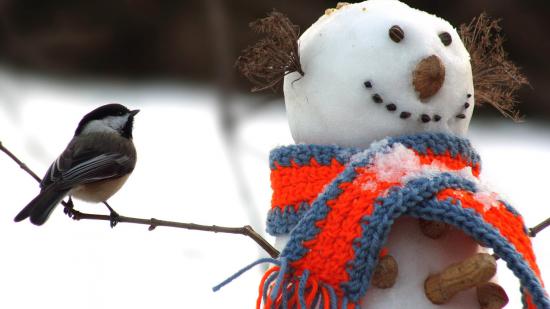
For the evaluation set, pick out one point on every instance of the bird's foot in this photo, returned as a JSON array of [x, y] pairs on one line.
[[69, 208], [114, 216]]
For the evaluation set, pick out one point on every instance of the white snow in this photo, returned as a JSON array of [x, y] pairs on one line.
[[488, 199], [399, 164], [369, 186]]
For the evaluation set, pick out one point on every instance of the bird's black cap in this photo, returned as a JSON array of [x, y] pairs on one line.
[[113, 109]]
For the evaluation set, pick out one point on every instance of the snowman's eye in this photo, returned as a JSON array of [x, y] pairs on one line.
[[445, 38], [396, 34]]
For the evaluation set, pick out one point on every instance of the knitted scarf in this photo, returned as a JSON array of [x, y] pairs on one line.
[[339, 204]]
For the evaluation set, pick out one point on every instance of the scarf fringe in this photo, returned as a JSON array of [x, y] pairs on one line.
[[243, 270], [280, 290]]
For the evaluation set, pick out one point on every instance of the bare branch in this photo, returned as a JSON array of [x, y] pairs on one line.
[[153, 223], [246, 230], [539, 227], [20, 163]]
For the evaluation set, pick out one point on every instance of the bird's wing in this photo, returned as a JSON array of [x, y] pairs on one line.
[[73, 168], [64, 162]]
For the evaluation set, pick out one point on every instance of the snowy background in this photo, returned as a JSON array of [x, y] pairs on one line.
[[184, 174]]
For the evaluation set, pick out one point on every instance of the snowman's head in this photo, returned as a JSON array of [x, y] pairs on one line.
[[376, 69], [379, 68]]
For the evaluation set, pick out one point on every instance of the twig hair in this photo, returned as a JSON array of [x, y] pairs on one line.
[[496, 78], [266, 63]]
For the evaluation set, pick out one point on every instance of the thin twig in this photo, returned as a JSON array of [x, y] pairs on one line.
[[19, 162], [539, 227], [246, 230]]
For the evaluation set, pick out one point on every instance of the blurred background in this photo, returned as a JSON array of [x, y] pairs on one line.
[[198, 41], [203, 142]]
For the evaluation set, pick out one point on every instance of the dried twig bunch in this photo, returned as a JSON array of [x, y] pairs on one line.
[[496, 78], [266, 63]]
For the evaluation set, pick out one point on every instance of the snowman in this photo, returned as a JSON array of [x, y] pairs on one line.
[[379, 203]]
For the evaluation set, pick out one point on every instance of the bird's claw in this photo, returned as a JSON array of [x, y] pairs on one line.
[[113, 215], [69, 208], [114, 219]]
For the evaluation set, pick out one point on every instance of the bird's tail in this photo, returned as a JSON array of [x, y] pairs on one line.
[[40, 208]]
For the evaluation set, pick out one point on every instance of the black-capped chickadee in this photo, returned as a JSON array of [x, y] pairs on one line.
[[93, 167]]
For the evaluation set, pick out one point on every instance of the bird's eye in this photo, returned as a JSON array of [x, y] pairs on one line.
[[396, 34], [445, 38]]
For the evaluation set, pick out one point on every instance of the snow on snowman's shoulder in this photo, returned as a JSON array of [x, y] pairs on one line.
[[396, 163], [399, 164]]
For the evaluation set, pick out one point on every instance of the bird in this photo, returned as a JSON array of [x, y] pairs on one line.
[[93, 167]]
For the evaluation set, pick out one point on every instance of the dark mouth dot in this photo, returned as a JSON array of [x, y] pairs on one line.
[[404, 115], [377, 98], [425, 118], [437, 118], [391, 107], [466, 105], [460, 116], [469, 95], [368, 84]]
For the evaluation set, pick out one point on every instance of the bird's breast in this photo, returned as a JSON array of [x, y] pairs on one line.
[[99, 191]]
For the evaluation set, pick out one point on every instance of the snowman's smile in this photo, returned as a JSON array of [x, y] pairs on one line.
[[393, 107]]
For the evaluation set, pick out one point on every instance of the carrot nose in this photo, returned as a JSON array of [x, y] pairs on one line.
[[428, 77]]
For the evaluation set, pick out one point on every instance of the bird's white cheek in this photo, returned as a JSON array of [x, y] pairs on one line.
[[97, 126], [107, 125], [117, 123]]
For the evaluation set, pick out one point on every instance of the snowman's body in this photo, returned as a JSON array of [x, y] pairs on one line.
[[359, 86]]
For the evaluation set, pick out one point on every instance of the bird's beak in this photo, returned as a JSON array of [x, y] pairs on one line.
[[134, 112]]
